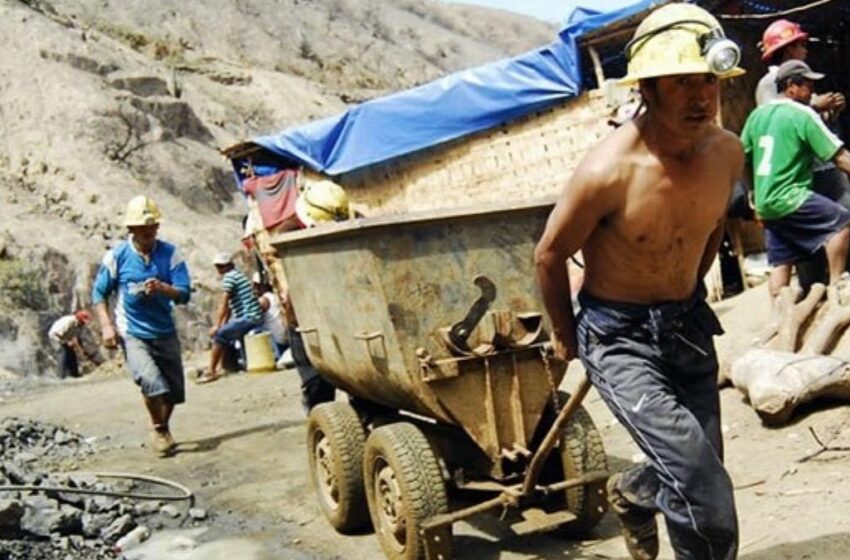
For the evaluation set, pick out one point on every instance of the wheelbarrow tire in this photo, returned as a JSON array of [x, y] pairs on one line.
[[404, 487], [335, 441], [581, 452]]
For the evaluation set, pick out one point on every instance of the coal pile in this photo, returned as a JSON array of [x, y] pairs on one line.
[[54, 525]]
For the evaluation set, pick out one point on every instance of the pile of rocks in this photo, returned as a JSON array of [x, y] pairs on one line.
[[64, 526]]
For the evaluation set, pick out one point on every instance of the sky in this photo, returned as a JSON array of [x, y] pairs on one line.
[[548, 10]]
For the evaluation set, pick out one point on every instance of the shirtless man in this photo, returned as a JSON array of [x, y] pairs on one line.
[[647, 208]]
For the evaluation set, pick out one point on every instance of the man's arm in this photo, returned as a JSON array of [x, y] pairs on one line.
[[222, 311], [712, 246], [842, 160], [828, 104], [180, 288], [104, 285], [583, 203]]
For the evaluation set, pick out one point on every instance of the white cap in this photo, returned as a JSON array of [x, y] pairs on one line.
[[222, 259]]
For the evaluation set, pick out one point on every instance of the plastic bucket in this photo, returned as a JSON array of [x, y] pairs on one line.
[[259, 353]]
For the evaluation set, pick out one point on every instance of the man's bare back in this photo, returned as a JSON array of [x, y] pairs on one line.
[[657, 214]]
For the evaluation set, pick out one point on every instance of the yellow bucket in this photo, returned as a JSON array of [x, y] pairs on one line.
[[259, 353]]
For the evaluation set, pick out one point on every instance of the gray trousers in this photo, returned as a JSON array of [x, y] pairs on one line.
[[656, 369]]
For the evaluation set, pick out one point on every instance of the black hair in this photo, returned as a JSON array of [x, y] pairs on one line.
[[776, 58], [795, 79]]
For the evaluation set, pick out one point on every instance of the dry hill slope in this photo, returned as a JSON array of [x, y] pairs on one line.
[[103, 99]]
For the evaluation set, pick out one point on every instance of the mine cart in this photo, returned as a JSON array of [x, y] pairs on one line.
[[432, 323], [426, 312]]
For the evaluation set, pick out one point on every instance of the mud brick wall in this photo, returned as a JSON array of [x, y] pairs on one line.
[[529, 158]]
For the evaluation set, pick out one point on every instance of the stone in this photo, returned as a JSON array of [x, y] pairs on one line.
[[101, 503], [11, 512], [146, 508], [198, 514], [62, 437], [94, 523], [19, 474], [69, 521], [170, 511], [118, 528], [82, 480], [38, 521]]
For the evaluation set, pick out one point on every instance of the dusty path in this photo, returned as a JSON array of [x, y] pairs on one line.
[[242, 452]]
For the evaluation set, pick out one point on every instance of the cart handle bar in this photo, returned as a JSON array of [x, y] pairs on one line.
[[552, 436]]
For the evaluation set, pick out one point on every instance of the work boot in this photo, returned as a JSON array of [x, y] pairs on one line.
[[161, 442], [639, 528], [172, 444]]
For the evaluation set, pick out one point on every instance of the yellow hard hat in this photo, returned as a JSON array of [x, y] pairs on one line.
[[678, 39], [141, 211], [322, 201]]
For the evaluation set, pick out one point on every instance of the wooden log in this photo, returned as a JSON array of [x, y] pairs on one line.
[[790, 315], [835, 319], [776, 383]]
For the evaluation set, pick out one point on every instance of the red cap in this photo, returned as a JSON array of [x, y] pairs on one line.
[[83, 316]]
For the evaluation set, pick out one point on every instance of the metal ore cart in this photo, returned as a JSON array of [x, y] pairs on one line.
[[432, 323]]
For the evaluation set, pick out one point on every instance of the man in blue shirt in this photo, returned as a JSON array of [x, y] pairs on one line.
[[148, 276]]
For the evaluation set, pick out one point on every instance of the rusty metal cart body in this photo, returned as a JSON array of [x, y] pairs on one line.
[[432, 323]]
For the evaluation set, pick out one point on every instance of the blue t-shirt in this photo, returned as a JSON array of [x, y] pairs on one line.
[[124, 271]]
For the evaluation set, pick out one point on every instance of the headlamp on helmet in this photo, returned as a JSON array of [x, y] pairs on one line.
[[721, 54]]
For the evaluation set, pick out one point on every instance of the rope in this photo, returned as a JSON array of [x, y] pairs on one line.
[[185, 493], [789, 11]]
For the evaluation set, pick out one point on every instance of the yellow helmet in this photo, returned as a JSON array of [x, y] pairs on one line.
[[322, 201], [141, 211], [677, 39]]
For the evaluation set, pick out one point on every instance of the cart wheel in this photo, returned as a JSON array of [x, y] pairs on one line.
[[335, 440], [404, 487], [580, 451]]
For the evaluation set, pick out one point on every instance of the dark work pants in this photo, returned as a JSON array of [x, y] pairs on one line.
[[656, 369], [68, 362], [832, 183], [315, 389]]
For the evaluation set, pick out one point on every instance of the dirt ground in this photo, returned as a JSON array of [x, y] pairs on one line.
[[242, 452]]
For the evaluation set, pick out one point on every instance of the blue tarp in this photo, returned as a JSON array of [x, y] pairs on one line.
[[451, 107]]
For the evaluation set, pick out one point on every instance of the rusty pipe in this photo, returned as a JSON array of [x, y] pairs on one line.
[[552, 436]]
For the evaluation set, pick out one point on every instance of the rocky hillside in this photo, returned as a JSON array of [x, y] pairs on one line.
[[101, 100]]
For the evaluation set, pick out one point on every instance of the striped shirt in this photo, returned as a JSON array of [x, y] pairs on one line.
[[243, 302]]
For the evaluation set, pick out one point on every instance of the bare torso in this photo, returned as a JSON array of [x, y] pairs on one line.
[[662, 210]]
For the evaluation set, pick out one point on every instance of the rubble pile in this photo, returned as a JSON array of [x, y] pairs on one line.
[[54, 525]]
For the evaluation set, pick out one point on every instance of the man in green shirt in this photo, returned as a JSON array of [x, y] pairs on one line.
[[781, 140]]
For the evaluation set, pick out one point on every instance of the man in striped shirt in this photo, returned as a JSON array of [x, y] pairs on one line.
[[781, 140], [238, 313]]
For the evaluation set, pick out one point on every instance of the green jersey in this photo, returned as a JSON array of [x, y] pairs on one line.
[[781, 140]]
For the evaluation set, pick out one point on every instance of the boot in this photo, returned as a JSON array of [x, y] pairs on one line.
[[639, 528], [161, 441]]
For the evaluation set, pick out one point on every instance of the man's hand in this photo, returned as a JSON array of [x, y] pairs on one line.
[[565, 347], [155, 286], [213, 330], [110, 339], [831, 102]]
